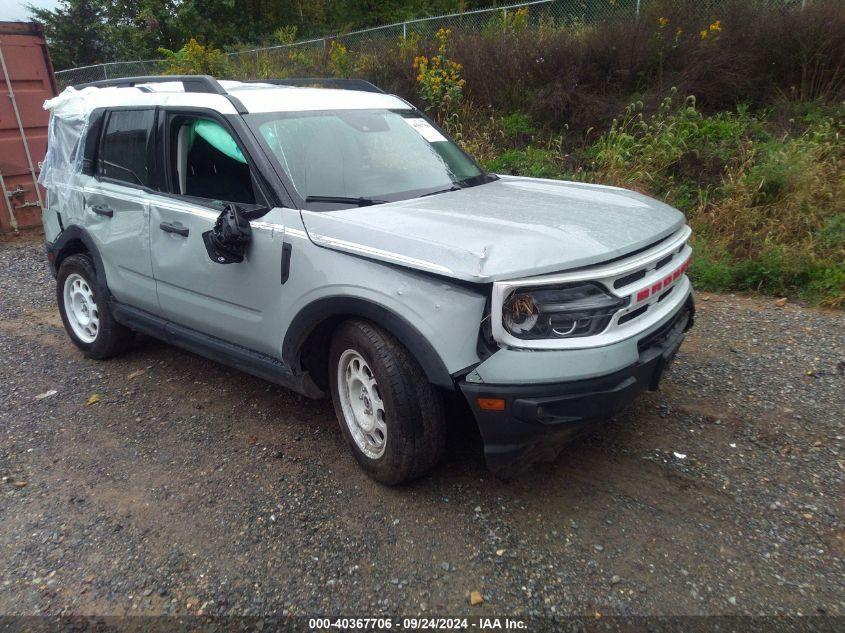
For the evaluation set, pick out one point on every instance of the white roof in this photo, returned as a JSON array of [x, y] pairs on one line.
[[255, 98], [267, 98]]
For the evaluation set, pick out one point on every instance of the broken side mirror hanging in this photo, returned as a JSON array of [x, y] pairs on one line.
[[227, 242]]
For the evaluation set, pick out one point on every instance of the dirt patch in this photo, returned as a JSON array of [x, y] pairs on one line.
[[190, 486]]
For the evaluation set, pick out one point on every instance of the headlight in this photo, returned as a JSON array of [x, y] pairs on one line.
[[566, 311]]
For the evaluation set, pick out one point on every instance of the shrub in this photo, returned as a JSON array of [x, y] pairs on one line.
[[788, 190], [195, 59], [439, 78], [518, 128], [768, 211], [340, 62], [531, 161], [508, 21], [305, 61], [756, 159], [285, 35], [637, 149], [581, 74]]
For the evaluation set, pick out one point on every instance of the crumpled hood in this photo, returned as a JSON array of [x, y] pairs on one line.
[[512, 227]]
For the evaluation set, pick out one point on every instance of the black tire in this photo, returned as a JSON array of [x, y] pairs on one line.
[[111, 338], [415, 420]]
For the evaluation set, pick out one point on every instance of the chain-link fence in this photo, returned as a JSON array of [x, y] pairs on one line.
[[298, 57], [112, 70]]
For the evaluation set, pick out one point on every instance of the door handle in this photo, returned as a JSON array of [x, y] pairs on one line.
[[101, 209], [174, 228]]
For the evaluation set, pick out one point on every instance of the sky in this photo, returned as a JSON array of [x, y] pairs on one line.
[[11, 10]]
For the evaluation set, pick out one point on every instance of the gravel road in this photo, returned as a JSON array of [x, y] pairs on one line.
[[192, 488]]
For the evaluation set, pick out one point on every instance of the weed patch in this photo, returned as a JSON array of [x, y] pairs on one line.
[[765, 197]]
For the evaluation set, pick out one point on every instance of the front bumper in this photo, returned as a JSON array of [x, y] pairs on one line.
[[539, 419]]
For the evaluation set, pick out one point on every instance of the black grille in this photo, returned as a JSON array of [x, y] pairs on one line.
[[629, 279], [632, 315], [647, 341], [664, 261], [665, 294]]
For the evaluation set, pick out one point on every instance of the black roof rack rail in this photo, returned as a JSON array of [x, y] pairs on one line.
[[190, 83], [321, 82]]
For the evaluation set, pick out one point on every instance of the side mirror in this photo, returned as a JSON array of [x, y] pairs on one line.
[[227, 242]]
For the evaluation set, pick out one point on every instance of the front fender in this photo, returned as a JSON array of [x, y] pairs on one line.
[[437, 319], [327, 309]]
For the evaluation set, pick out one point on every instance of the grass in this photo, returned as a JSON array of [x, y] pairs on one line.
[[764, 191]]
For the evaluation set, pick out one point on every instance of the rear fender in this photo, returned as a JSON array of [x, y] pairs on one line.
[[72, 241]]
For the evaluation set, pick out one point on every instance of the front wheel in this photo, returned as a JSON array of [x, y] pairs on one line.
[[391, 416]]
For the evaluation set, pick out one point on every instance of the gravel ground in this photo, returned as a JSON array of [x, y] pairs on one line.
[[192, 488]]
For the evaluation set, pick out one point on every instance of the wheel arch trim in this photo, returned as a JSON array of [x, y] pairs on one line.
[[322, 310], [62, 247]]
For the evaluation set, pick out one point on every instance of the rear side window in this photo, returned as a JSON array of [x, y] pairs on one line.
[[125, 148]]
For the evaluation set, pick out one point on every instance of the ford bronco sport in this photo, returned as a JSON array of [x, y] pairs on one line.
[[335, 241]]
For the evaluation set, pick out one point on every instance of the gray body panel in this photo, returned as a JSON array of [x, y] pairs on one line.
[[246, 303], [509, 228], [446, 314], [124, 241], [235, 302], [50, 219]]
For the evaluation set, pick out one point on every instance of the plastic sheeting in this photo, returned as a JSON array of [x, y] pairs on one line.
[[69, 118], [69, 114]]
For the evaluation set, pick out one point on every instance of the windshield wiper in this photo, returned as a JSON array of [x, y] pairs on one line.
[[433, 193], [361, 202]]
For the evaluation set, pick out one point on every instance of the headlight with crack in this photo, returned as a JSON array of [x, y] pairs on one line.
[[565, 311]]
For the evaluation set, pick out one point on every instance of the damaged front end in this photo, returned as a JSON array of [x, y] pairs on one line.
[[526, 423]]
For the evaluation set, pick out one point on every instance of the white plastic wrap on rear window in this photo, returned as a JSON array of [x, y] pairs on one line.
[[69, 114]]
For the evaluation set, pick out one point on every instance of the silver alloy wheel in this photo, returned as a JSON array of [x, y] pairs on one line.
[[361, 403], [81, 308]]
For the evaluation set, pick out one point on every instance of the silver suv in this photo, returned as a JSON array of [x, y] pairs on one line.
[[331, 239]]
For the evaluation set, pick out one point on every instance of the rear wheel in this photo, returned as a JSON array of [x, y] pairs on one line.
[[85, 312], [391, 416]]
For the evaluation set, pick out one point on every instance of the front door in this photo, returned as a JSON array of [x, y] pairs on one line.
[[206, 169]]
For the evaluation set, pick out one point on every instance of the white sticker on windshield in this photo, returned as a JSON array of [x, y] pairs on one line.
[[426, 130]]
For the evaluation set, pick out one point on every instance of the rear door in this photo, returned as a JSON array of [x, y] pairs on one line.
[[205, 167], [117, 204]]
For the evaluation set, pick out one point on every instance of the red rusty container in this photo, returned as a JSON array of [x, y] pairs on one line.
[[26, 81]]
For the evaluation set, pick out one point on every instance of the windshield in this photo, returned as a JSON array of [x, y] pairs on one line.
[[363, 157]]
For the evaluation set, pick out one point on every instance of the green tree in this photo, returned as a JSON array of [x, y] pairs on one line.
[[75, 31], [82, 32], [140, 27]]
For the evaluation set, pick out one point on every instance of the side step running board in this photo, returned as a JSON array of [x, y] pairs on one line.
[[216, 349]]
